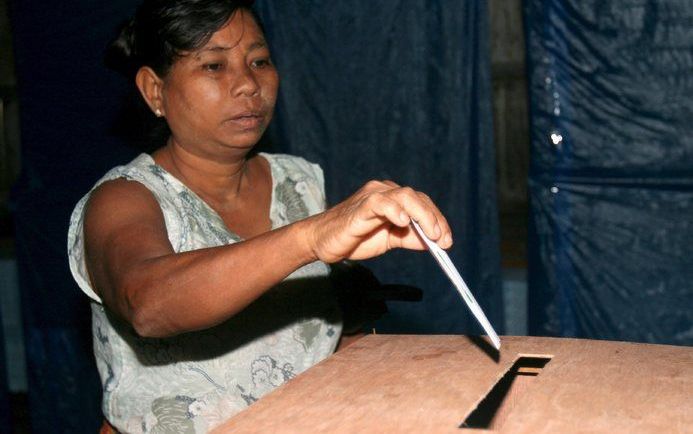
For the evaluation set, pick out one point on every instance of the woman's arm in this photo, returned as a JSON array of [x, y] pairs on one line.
[[135, 271]]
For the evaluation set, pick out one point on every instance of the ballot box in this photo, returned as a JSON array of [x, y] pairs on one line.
[[458, 384]]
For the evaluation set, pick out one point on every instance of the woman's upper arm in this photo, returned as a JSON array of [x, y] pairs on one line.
[[123, 228]]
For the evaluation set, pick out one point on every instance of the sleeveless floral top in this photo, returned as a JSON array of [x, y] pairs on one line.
[[192, 382]]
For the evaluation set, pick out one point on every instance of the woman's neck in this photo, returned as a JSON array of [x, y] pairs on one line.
[[218, 179]]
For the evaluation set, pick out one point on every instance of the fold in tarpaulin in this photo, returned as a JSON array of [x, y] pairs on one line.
[[611, 178]]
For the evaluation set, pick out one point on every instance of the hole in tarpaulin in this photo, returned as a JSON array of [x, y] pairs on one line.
[[493, 410]]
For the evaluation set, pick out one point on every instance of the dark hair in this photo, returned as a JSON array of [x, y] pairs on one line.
[[162, 30]]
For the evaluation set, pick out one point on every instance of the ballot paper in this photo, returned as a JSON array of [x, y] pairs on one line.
[[451, 271]]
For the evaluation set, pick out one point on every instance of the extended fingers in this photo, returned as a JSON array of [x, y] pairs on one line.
[[419, 210], [445, 239], [399, 205], [382, 205]]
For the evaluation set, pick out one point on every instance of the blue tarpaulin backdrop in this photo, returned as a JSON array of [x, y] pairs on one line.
[[611, 182], [398, 90], [370, 89]]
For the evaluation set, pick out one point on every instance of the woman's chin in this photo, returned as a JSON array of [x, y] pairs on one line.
[[247, 138], [241, 144]]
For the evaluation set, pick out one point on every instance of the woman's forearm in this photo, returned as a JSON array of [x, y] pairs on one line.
[[182, 292]]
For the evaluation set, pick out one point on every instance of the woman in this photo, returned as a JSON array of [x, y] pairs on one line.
[[206, 264]]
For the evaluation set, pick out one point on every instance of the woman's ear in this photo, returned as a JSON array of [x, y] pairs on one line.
[[150, 86]]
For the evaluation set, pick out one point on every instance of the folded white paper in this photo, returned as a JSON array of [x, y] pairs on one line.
[[451, 271]]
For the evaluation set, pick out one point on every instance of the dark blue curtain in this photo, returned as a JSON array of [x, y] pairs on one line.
[[611, 177], [370, 89], [68, 101], [400, 90]]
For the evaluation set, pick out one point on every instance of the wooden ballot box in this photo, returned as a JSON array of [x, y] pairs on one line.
[[458, 384]]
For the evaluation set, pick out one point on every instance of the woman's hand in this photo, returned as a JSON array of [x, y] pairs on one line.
[[374, 220]]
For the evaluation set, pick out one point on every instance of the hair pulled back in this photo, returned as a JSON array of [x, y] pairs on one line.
[[161, 30]]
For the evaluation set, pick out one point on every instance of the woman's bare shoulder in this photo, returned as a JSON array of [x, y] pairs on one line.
[[120, 192], [120, 202]]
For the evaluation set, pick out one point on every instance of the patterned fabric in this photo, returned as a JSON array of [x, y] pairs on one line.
[[192, 382]]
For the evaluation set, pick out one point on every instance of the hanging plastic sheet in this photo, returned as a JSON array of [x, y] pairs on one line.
[[67, 104], [611, 178], [398, 90]]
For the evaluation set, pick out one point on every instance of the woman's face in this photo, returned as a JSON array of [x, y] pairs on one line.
[[219, 99]]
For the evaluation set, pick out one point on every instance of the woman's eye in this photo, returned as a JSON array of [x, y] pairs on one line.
[[213, 67], [261, 63]]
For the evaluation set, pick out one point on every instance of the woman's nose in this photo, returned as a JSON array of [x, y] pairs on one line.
[[246, 84]]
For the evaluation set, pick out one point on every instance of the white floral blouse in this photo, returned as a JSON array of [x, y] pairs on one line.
[[193, 382]]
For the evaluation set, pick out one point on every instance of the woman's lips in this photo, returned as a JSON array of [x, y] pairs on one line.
[[248, 120]]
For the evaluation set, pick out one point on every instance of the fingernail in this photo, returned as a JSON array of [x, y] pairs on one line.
[[448, 240], [436, 230], [404, 217]]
